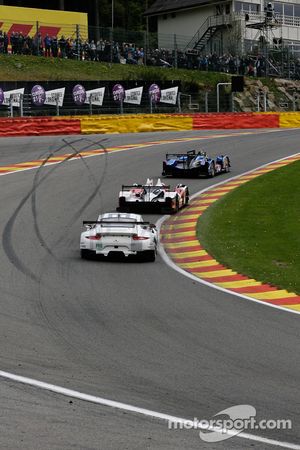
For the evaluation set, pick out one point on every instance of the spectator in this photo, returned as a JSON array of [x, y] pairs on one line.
[[5, 42], [107, 51], [54, 46], [20, 44], [69, 49], [27, 46], [140, 56], [86, 50], [14, 41], [1, 42], [62, 43], [47, 45], [93, 51]]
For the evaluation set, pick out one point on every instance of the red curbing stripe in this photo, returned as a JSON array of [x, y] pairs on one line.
[[213, 197], [192, 259], [173, 229], [252, 289], [284, 301], [175, 222], [173, 240], [187, 249], [226, 278]]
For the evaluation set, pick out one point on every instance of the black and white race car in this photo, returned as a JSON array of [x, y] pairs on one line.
[[152, 197]]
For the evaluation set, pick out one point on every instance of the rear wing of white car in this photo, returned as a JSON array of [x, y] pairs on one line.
[[116, 223], [147, 187]]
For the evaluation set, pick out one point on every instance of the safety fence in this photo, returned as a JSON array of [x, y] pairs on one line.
[[70, 98], [144, 123]]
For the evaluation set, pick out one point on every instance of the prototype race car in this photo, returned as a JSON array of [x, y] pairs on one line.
[[192, 164], [115, 233], [153, 198]]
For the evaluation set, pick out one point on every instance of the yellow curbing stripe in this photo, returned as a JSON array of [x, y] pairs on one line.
[[225, 189], [272, 295], [214, 194], [214, 274], [173, 245], [196, 264], [294, 307], [191, 254], [196, 209], [181, 234], [239, 284], [190, 216], [174, 226], [8, 168]]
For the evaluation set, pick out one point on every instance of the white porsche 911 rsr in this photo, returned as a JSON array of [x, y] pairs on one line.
[[119, 233]]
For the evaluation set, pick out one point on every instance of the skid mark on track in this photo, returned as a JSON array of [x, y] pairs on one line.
[[58, 159]]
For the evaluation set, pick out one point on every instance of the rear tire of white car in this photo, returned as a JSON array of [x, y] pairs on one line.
[[149, 255], [85, 254]]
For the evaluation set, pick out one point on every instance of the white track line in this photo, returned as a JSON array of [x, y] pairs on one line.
[[171, 264], [134, 409]]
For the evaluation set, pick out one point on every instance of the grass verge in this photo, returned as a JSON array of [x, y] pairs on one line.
[[255, 229], [32, 68]]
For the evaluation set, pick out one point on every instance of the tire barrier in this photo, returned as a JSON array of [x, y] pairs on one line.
[[289, 120], [42, 126], [135, 123], [235, 121]]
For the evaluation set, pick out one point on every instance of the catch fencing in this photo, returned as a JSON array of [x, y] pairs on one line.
[[22, 105]]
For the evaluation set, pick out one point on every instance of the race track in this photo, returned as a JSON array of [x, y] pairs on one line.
[[137, 333]]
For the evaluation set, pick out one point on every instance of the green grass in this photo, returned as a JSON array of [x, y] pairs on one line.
[[255, 229], [32, 68]]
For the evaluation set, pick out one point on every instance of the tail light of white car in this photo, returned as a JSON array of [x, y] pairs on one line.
[[95, 237], [135, 237]]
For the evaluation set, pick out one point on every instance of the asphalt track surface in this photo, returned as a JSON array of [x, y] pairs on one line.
[[138, 333]]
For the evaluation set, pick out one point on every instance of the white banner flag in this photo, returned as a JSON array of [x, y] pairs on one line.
[[169, 95], [134, 95], [96, 95], [15, 93], [51, 97]]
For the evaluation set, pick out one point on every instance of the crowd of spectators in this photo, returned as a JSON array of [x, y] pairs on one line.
[[128, 53]]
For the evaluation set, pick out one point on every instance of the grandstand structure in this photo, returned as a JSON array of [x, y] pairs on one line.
[[90, 7], [233, 26]]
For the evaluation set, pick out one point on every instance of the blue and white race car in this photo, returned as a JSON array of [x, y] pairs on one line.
[[192, 164]]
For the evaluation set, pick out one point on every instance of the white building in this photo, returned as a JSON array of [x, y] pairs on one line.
[[222, 26]]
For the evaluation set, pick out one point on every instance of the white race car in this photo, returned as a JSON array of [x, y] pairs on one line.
[[119, 233], [153, 198]]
